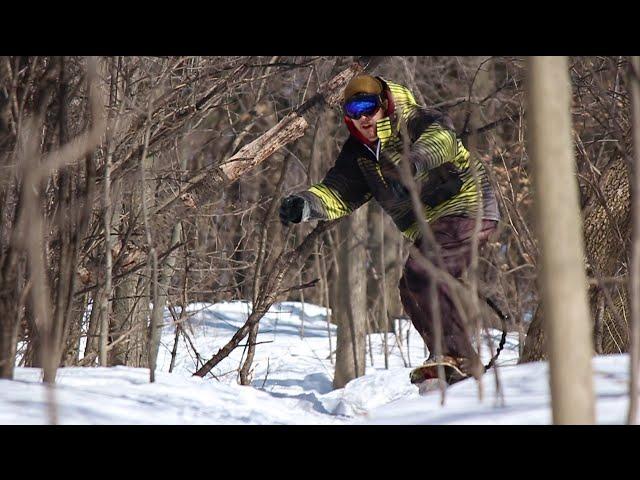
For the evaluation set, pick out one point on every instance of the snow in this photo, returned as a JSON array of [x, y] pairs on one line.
[[292, 381]]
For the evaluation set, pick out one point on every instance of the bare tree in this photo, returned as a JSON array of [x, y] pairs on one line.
[[562, 276]]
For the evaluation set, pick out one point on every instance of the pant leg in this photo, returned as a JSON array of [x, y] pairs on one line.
[[454, 235]]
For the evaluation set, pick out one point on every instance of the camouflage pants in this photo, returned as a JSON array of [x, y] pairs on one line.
[[454, 235]]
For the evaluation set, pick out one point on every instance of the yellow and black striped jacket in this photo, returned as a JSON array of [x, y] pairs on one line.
[[432, 148]]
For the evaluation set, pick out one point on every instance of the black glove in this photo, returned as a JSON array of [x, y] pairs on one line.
[[291, 209]]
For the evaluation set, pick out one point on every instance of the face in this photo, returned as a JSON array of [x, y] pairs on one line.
[[367, 125]]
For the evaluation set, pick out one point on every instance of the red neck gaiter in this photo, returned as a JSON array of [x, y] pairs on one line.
[[356, 133]]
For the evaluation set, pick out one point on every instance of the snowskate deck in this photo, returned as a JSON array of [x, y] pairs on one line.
[[429, 371]]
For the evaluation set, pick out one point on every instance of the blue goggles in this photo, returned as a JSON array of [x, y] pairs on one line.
[[362, 105]]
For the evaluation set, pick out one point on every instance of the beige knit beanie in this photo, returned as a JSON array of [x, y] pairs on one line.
[[362, 84]]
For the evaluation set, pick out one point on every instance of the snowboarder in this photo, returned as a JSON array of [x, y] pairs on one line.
[[385, 122]]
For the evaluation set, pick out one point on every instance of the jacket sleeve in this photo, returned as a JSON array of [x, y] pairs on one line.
[[429, 146], [342, 191]]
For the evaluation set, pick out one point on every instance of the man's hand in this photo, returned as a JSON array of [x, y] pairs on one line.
[[291, 210]]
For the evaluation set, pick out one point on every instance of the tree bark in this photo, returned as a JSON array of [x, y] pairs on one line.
[[557, 214], [165, 274], [604, 216], [8, 322], [9, 278], [635, 249], [352, 310], [91, 346], [137, 353], [394, 262]]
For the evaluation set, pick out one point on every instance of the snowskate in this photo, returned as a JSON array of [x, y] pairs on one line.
[[429, 371]]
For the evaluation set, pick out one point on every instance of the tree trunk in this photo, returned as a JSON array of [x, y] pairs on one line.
[[605, 219], [129, 305], [106, 293], [137, 352], [394, 262], [607, 230], [375, 287], [91, 346], [352, 309], [635, 252], [165, 273], [8, 322], [71, 352], [9, 282], [557, 214], [123, 315]]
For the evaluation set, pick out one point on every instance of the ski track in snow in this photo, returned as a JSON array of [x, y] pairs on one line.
[[292, 381]]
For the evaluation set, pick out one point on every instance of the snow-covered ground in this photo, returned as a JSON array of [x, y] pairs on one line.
[[292, 381]]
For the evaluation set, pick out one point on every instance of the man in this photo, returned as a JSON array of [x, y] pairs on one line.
[[386, 123]]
